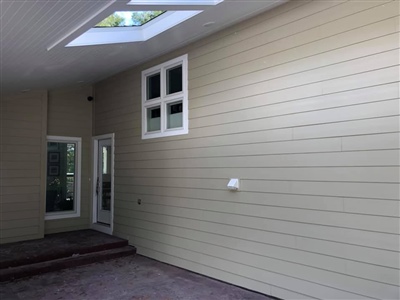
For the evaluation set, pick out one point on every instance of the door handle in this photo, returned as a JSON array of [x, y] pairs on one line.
[[97, 186]]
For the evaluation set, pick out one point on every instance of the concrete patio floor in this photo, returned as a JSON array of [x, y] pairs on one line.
[[132, 277]]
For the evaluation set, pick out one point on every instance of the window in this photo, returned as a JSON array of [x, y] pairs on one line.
[[165, 99], [63, 177]]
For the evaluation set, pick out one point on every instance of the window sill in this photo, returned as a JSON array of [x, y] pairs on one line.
[[166, 133], [61, 215]]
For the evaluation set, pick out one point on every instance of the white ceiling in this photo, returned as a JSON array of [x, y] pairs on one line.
[[29, 27]]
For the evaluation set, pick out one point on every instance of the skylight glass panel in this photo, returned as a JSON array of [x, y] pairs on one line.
[[129, 18]]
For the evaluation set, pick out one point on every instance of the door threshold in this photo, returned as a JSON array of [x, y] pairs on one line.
[[105, 228]]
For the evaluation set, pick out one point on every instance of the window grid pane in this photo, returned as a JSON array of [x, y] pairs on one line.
[[154, 119], [174, 80], [153, 86], [174, 115]]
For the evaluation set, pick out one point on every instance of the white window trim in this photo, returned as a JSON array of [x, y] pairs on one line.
[[77, 204], [165, 99]]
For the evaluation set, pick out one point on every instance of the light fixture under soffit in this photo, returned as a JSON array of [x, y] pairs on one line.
[[115, 35]]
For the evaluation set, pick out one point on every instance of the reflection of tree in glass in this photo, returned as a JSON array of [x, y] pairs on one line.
[[56, 182], [142, 17], [112, 21], [70, 158], [137, 18]]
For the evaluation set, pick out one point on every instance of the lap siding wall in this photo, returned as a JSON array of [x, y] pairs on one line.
[[23, 158], [302, 104], [70, 115]]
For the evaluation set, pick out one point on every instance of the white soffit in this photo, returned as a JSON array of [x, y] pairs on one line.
[[29, 28]]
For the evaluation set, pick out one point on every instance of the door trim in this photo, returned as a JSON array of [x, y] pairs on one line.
[[94, 225]]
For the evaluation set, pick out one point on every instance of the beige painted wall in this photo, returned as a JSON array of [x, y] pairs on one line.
[[26, 120], [23, 119], [302, 104], [70, 114]]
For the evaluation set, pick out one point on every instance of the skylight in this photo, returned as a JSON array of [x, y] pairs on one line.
[[130, 34], [131, 22], [129, 18]]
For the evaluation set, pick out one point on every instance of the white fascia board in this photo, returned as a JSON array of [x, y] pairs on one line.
[[116, 35]]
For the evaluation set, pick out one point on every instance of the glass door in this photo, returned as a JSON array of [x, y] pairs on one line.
[[103, 186]]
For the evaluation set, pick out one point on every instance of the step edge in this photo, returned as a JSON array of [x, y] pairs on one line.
[[65, 254], [64, 263]]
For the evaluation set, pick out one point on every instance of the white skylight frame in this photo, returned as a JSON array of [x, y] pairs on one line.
[[163, 22], [176, 12], [115, 35]]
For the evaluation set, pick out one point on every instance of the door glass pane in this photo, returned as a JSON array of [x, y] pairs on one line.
[[174, 80], [153, 119], [174, 115], [60, 188], [106, 178], [153, 86], [106, 150]]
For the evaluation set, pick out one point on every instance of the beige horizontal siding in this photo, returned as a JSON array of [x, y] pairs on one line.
[[17, 198], [258, 216], [286, 254], [302, 104], [22, 156], [330, 159], [258, 257], [21, 206], [316, 23], [70, 115], [338, 174], [253, 266], [20, 234], [13, 224]]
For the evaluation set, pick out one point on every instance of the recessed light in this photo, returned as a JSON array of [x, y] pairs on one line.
[[209, 24]]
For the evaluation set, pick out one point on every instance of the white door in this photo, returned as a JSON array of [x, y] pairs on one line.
[[104, 183]]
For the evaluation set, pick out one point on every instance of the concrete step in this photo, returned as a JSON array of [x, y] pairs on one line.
[[56, 246], [11, 273]]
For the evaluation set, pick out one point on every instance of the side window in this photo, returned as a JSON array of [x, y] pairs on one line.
[[165, 99], [63, 177]]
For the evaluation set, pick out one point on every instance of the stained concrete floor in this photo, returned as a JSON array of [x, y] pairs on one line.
[[133, 277]]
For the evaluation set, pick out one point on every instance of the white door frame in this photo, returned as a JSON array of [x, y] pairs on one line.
[[94, 224]]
